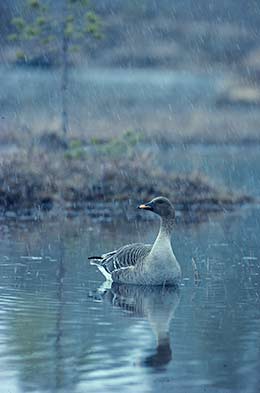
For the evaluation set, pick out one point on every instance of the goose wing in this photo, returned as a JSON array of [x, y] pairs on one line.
[[123, 257]]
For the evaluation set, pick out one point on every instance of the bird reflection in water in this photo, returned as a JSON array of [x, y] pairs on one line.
[[157, 304]]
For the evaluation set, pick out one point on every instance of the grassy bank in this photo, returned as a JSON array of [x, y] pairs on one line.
[[110, 176]]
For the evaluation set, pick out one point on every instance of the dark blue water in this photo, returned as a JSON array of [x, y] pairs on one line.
[[61, 331]]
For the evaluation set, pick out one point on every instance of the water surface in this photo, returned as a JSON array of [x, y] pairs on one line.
[[60, 331]]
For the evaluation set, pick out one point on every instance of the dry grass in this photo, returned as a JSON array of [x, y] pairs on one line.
[[45, 180]]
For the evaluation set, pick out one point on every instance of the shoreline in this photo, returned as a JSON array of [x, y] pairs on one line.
[[192, 212], [105, 180], [104, 212]]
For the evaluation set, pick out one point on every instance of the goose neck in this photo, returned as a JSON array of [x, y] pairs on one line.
[[166, 227]]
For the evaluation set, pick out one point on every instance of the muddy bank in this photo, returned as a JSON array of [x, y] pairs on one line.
[[40, 184]]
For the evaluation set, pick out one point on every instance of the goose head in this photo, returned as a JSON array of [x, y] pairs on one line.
[[161, 206]]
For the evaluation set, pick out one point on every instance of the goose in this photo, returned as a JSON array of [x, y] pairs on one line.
[[145, 264]]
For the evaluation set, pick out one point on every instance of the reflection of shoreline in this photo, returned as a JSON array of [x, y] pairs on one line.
[[154, 303]]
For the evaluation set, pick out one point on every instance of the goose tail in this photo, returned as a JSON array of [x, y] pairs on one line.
[[96, 261]]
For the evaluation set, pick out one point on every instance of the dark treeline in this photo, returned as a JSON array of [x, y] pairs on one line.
[[168, 33], [240, 12]]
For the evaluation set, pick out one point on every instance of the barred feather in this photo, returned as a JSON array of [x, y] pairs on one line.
[[125, 256]]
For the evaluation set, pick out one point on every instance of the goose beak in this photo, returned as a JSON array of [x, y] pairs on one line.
[[146, 206]]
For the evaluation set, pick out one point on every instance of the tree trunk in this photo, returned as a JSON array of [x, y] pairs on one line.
[[64, 79]]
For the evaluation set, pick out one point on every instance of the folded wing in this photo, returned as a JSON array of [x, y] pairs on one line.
[[125, 256]]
